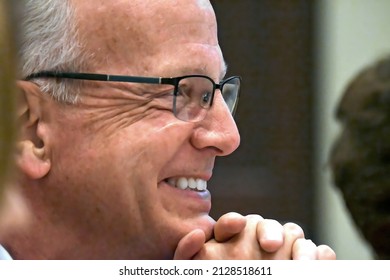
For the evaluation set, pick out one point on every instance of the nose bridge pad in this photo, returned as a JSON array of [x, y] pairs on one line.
[[217, 88], [174, 109], [212, 97]]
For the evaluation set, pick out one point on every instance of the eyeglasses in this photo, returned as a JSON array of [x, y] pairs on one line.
[[192, 95]]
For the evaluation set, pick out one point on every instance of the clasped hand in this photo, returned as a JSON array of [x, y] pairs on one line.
[[251, 237]]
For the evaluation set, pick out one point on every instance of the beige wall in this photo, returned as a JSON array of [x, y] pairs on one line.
[[351, 34]]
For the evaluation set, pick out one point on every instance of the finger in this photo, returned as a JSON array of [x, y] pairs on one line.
[[292, 232], [304, 249], [254, 217], [212, 250], [190, 245], [228, 225], [270, 235], [324, 252]]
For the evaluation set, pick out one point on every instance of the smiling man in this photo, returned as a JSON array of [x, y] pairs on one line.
[[125, 110]]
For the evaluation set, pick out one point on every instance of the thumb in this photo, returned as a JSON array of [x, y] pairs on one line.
[[228, 225], [190, 245]]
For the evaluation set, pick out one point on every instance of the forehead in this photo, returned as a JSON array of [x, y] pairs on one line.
[[149, 37]]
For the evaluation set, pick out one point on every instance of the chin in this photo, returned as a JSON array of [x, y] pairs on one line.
[[204, 223], [170, 239]]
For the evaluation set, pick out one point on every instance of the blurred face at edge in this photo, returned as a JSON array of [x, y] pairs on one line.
[[13, 211]]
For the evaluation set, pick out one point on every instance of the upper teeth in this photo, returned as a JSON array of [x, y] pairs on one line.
[[191, 183]]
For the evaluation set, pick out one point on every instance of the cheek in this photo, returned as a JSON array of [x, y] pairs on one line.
[[125, 164], [108, 184]]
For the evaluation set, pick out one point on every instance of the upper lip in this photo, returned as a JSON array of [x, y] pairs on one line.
[[205, 176], [203, 171]]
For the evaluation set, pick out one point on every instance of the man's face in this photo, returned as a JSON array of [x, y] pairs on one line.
[[117, 154]]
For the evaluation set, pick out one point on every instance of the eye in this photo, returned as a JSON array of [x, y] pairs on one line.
[[206, 98]]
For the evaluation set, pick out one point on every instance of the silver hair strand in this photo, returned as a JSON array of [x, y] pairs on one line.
[[50, 42]]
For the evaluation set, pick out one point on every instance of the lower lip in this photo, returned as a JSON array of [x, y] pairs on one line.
[[195, 199]]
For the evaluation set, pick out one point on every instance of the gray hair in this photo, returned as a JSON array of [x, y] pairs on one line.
[[50, 42]]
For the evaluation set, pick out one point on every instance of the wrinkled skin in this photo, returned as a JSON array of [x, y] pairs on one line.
[[96, 172], [104, 161]]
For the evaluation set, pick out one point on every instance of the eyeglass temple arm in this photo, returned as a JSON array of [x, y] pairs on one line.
[[94, 77]]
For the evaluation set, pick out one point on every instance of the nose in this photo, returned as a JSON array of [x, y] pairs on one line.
[[218, 130]]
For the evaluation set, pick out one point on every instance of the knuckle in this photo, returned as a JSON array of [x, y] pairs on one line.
[[272, 222], [294, 229], [326, 253], [254, 217]]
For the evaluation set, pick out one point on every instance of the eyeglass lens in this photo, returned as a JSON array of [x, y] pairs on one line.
[[194, 97], [230, 90]]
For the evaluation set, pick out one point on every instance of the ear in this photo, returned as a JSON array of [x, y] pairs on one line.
[[32, 152]]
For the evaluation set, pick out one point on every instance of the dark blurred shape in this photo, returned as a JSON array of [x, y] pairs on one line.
[[360, 158]]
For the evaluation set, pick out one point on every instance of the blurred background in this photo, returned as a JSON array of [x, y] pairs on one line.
[[295, 58]]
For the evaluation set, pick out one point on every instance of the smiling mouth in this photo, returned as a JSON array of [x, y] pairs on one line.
[[192, 184]]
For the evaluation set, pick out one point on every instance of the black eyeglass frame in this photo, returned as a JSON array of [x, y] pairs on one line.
[[136, 79]]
